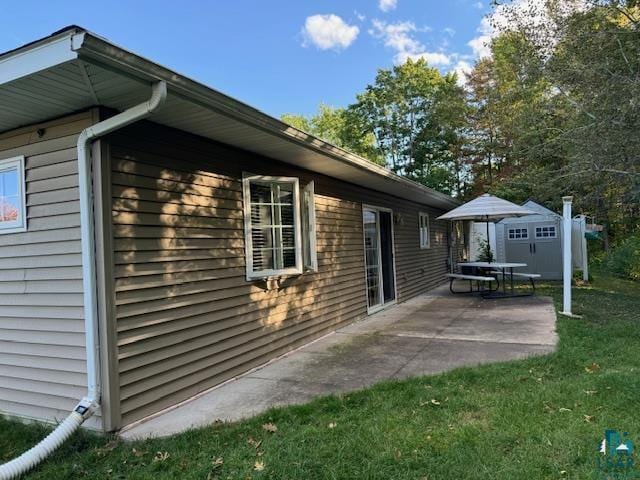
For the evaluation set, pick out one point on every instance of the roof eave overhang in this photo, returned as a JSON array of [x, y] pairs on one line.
[[95, 49], [77, 44], [37, 56]]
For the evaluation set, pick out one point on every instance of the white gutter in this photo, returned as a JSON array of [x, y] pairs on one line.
[[95, 49], [91, 402]]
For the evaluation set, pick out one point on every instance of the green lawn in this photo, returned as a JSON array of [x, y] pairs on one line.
[[538, 418]]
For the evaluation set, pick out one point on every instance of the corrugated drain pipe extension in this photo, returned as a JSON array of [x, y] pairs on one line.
[[90, 403]]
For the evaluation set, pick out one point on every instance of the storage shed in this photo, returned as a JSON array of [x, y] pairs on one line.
[[535, 240]]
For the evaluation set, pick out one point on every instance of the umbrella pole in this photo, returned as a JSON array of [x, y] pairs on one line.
[[488, 239]]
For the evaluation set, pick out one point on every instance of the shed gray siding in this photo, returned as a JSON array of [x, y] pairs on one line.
[[546, 257], [42, 346], [187, 318]]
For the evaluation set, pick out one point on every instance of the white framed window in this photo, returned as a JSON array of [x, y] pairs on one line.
[[518, 233], [425, 232], [546, 232], [272, 226], [13, 208], [310, 251]]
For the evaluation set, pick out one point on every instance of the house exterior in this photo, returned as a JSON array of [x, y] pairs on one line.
[[157, 260]]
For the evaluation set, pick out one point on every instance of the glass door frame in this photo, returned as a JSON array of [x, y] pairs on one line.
[[382, 305]]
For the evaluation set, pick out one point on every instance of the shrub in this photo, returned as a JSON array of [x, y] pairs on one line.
[[624, 259], [485, 253]]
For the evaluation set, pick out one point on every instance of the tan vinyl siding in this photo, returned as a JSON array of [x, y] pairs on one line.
[[187, 318], [42, 353]]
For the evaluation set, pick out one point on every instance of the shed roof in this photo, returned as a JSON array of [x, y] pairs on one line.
[[542, 214], [74, 69]]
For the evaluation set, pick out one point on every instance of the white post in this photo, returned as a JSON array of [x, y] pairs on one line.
[[583, 242], [566, 254]]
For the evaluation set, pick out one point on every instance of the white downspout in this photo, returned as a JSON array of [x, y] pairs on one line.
[[91, 402], [89, 285]]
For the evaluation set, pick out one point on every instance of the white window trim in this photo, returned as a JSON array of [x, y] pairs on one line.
[[247, 178], [513, 229], [555, 232], [422, 215], [310, 237], [21, 225]]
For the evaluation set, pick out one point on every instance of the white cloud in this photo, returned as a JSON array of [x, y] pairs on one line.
[[400, 38], [479, 5], [329, 32], [387, 5], [449, 31], [481, 44], [432, 58], [397, 36], [462, 69]]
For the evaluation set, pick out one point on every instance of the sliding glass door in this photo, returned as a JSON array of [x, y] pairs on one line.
[[379, 262]]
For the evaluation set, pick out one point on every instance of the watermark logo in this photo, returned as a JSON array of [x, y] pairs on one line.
[[616, 459]]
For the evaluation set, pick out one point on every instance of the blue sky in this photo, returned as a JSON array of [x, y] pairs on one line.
[[278, 56]]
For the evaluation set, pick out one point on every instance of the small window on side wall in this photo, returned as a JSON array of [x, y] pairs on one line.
[[280, 226], [425, 233], [12, 196], [272, 226]]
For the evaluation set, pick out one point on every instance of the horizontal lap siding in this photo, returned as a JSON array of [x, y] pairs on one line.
[[187, 318], [417, 270], [42, 353]]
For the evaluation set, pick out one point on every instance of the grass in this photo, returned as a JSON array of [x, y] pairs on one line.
[[539, 418]]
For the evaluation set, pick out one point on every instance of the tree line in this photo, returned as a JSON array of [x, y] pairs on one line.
[[553, 111]]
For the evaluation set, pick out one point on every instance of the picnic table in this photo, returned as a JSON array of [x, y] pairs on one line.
[[501, 267]]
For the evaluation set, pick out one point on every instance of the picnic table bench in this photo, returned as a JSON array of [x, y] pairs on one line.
[[504, 270], [480, 280]]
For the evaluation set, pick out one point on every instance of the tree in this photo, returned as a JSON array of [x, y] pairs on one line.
[[446, 141], [554, 110], [570, 71], [414, 132], [298, 121], [339, 127], [596, 69], [513, 121]]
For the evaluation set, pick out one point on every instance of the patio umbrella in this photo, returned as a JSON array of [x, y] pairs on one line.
[[486, 208]]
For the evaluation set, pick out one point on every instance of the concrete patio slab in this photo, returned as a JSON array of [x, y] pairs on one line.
[[443, 355], [429, 334]]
